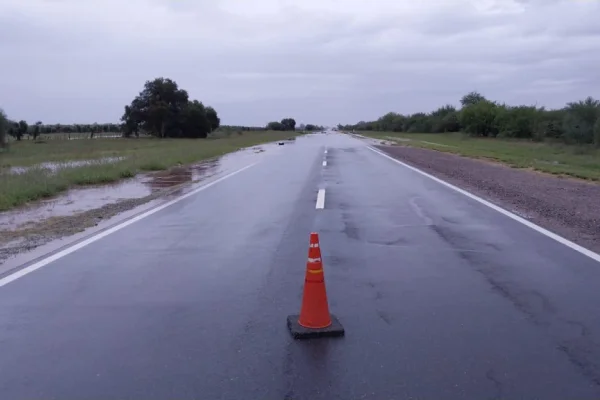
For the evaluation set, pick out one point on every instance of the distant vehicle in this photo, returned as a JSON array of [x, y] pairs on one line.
[[281, 143]]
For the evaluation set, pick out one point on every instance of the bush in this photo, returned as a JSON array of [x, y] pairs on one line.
[[418, 123], [479, 119], [550, 124], [449, 123], [579, 121], [444, 119], [517, 122]]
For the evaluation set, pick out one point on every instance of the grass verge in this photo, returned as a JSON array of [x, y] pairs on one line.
[[557, 159], [137, 155]]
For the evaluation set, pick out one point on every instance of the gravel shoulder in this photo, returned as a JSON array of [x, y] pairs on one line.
[[568, 207]]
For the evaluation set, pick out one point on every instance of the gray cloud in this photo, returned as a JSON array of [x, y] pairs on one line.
[[323, 61]]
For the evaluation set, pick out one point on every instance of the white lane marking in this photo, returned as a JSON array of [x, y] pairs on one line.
[[325, 151], [325, 163], [551, 235], [320, 199], [42, 263]]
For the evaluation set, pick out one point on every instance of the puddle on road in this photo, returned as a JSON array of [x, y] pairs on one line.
[[79, 200], [180, 175], [52, 167]]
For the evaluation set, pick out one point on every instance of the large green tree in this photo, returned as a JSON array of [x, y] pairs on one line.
[[132, 120], [158, 108], [213, 118], [289, 124], [162, 109], [195, 123]]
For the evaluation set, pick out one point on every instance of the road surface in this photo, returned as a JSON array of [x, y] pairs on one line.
[[441, 296]]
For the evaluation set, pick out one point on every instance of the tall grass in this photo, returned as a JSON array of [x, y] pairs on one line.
[[138, 155]]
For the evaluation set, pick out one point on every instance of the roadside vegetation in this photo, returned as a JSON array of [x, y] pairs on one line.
[[576, 123], [158, 130], [562, 142]]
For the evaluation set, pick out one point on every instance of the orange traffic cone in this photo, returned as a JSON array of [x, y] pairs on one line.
[[314, 319]]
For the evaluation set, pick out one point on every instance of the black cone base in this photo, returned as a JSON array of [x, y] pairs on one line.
[[299, 332]]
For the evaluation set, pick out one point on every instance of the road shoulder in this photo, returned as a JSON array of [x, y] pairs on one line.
[[565, 206]]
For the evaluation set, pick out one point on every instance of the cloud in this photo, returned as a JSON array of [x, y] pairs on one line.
[[322, 61]]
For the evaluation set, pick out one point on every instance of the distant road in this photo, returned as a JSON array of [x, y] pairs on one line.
[[441, 296]]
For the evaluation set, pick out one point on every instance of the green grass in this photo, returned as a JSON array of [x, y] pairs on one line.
[[553, 158], [138, 155]]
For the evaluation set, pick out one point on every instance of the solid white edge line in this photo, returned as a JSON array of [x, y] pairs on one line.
[[324, 163], [33, 267], [320, 200], [551, 235]]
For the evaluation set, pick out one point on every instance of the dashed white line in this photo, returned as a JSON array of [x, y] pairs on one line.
[[42, 263], [551, 235], [325, 151], [320, 199], [325, 163]]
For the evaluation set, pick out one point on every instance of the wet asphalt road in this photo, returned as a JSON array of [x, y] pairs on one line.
[[441, 297]]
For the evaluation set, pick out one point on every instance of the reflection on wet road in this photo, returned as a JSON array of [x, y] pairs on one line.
[[441, 297]]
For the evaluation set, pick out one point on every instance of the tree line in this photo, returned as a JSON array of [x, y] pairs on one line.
[[286, 124], [311, 127], [576, 123], [289, 124], [22, 128]]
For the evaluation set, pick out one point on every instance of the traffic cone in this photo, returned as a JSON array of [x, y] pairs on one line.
[[314, 319]]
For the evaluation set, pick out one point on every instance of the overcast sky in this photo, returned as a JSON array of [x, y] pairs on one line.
[[319, 61]]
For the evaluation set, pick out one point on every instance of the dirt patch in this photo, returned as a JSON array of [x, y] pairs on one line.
[[568, 207]]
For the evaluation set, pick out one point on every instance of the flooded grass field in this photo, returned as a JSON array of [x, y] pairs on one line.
[[33, 171], [78, 208]]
